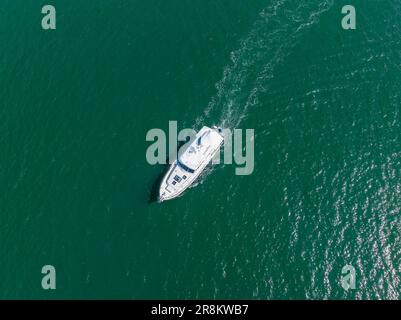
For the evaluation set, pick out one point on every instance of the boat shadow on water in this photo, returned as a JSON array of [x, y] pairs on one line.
[[154, 190]]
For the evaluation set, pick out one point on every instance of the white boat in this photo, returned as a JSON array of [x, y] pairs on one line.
[[192, 161]]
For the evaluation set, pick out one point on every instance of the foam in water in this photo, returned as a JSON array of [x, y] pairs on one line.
[[252, 65], [260, 52]]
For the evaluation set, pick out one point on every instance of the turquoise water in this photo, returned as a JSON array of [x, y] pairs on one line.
[[77, 102]]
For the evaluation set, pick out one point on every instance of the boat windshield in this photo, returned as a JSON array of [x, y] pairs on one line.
[[183, 166]]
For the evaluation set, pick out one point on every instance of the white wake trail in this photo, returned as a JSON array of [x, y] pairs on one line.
[[280, 27]]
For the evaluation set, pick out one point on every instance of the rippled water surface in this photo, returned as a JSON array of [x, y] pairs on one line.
[[76, 104]]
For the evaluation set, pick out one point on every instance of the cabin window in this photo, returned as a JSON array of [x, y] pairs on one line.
[[174, 182], [183, 166]]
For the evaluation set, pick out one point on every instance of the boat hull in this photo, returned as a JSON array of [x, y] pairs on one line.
[[188, 167]]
